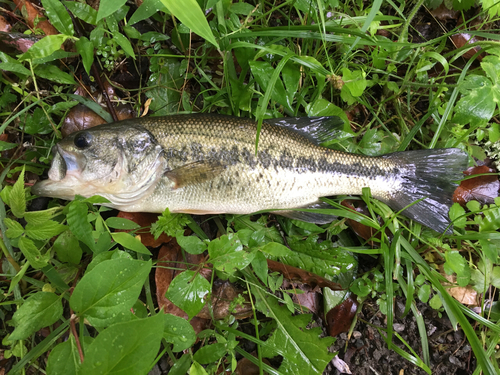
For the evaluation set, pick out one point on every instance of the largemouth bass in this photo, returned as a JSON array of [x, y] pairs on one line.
[[206, 164]]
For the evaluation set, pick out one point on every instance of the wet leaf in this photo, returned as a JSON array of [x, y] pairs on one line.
[[78, 223], [108, 7], [44, 231], [64, 358], [339, 318], [39, 310], [58, 16], [124, 348], [227, 254], [17, 197], [83, 11], [210, 353], [191, 15], [482, 188], [105, 294], [45, 47], [302, 350], [32, 253], [130, 242], [35, 19], [188, 291], [86, 50], [68, 248], [178, 332]]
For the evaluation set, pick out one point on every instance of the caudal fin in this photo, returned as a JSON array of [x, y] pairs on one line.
[[429, 174]]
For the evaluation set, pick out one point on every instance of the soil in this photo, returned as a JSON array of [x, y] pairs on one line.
[[366, 352]]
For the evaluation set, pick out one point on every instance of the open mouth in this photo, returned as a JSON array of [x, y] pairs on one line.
[[60, 183]]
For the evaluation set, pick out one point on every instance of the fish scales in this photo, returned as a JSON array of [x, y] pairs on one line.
[[286, 169], [206, 164]]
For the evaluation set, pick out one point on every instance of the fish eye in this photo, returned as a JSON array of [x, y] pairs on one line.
[[83, 140]]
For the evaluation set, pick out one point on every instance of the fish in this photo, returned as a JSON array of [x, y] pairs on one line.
[[209, 164]]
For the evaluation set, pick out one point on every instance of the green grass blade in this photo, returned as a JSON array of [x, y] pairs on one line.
[[191, 15]]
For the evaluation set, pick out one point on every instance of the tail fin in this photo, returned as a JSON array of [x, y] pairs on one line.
[[428, 174]]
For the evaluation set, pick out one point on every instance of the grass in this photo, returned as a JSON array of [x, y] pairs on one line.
[[369, 63]]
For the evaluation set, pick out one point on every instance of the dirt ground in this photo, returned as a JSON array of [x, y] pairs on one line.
[[367, 353]]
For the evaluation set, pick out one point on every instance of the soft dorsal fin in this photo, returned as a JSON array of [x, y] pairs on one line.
[[315, 129], [195, 173]]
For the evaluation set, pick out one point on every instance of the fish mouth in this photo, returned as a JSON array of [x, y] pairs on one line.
[[63, 176]]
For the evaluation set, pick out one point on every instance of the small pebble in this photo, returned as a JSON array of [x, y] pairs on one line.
[[450, 337], [431, 329], [455, 360], [357, 335], [398, 327]]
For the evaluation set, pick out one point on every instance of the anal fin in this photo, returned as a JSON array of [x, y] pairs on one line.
[[310, 217]]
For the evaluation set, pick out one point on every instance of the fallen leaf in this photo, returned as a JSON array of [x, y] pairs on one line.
[[484, 189], [223, 295], [442, 13], [145, 220], [294, 273], [466, 295], [4, 25], [247, 367], [34, 17], [13, 43], [339, 318], [310, 298], [81, 117], [361, 230]]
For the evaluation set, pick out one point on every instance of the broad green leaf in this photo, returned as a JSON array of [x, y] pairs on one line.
[[58, 16], [4, 146], [197, 369], [189, 283], [39, 310], [146, 10], [121, 223], [210, 353], [191, 15], [44, 47], [457, 215], [130, 242], [78, 223], [459, 265], [227, 254], [64, 358], [424, 293], [303, 351], [15, 68], [108, 255], [495, 277], [68, 248], [355, 81], [86, 50], [477, 103], [44, 231], [83, 11], [179, 332], [262, 71], [32, 253], [124, 348], [108, 7], [17, 197], [40, 217], [191, 244], [53, 73], [14, 229], [125, 44], [106, 293]]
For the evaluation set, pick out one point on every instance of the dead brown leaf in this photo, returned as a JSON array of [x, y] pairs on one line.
[[145, 220], [223, 295], [4, 25], [35, 17], [466, 295], [294, 273], [81, 117], [247, 367], [339, 318], [484, 189]]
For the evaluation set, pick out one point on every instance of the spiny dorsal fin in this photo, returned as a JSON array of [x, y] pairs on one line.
[[315, 129], [195, 173]]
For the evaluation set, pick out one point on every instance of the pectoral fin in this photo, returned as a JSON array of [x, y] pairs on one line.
[[195, 173]]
